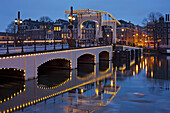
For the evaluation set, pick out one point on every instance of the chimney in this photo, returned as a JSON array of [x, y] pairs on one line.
[[166, 17]]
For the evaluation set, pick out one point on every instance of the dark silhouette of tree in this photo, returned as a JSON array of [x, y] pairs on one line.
[[152, 17], [45, 19], [11, 28]]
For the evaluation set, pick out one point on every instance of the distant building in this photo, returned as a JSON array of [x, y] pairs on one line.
[[36, 30], [130, 34], [6, 36], [163, 30], [159, 31], [31, 29]]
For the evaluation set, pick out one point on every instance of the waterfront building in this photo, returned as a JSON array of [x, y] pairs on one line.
[[159, 32], [130, 34]]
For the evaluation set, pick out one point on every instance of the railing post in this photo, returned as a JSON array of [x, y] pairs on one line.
[[45, 45], [97, 42], [78, 43], [34, 45], [22, 46], [54, 44], [62, 43], [7, 50], [85, 43]]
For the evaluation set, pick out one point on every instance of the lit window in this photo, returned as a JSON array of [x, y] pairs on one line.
[[59, 28], [62, 35], [55, 28], [49, 31], [122, 29]]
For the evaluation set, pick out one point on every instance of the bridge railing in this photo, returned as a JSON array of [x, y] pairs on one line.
[[37, 45]]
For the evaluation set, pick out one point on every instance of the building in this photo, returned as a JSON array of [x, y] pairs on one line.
[[130, 34], [163, 31], [7, 36], [159, 32], [31, 29]]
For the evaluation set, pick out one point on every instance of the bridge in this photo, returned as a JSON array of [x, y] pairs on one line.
[[67, 59], [65, 56]]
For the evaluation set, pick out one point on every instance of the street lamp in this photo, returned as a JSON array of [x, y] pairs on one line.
[[71, 20], [18, 22]]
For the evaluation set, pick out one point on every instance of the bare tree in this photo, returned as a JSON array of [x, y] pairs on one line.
[[11, 28], [45, 19], [152, 17], [145, 21]]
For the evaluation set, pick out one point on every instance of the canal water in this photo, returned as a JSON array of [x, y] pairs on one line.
[[121, 86]]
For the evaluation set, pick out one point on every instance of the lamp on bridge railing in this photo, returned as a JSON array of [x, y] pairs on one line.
[[18, 22], [71, 20]]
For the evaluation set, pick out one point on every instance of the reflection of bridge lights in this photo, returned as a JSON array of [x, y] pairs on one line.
[[111, 83], [140, 65], [146, 69], [143, 64], [159, 63], [133, 73], [81, 90], [97, 91], [54, 86], [151, 74], [145, 61], [137, 68]]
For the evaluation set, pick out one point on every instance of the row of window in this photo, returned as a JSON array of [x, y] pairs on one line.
[[57, 28]]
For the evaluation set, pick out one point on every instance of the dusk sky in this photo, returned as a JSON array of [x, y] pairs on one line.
[[129, 10]]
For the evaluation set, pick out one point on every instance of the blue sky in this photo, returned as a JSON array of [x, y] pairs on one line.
[[129, 10]]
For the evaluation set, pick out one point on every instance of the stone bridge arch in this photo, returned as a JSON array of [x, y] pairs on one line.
[[104, 55]]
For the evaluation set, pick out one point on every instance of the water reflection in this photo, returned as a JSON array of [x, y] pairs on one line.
[[52, 78], [157, 67], [85, 71], [11, 84]]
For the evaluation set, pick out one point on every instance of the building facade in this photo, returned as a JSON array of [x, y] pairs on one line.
[[130, 34], [159, 32]]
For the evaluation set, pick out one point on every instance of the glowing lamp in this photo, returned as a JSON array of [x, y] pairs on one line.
[[16, 20], [69, 17], [73, 18]]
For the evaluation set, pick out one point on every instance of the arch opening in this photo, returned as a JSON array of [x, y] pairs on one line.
[[104, 56], [86, 59], [85, 65], [62, 64]]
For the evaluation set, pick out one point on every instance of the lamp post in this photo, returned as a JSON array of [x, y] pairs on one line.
[[71, 20], [19, 22]]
